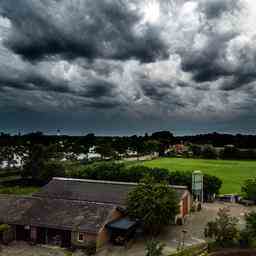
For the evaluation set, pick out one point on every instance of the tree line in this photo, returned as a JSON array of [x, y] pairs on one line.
[[214, 145]]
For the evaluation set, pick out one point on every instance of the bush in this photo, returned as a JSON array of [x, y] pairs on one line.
[[249, 189], [4, 227], [50, 170], [209, 152], [154, 248], [90, 248], [248, 235], [223, 229]]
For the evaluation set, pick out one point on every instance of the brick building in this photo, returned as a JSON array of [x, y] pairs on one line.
[[74, 212]]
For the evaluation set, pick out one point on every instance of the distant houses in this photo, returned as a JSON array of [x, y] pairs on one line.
[[16, 162]]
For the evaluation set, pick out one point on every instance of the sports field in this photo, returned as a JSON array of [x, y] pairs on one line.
[[232, 173]]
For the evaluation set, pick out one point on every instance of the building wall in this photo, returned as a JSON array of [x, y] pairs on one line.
[[184, 210], [186, 199], [103, 236], [87, 238]]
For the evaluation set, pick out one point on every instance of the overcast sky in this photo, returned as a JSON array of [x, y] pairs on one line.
[[128, 66]]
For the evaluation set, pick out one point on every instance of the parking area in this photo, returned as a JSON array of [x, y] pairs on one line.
[[172, 237]]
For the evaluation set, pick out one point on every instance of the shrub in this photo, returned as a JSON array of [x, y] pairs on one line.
[[4, 227], [90, 248], [249, 189], [223, 229], [154, 248], [248, 235]]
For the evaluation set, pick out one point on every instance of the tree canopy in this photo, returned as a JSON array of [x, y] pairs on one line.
[[154, 203]]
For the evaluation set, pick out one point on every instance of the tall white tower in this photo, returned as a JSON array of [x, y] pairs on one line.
[[197, 186]]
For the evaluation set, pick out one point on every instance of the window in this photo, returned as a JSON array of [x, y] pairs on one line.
[[80, 237]]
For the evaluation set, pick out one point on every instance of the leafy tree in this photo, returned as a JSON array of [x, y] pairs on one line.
[[152, 146], [223, 229], [154, 248], [212, 185], [249, 189], [209, 152], [50, 170], [230, 152], [196, 150], [35, 162], [105, 150], [155, 204], [40, 165]]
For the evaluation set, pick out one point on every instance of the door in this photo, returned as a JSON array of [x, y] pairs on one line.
[[22, 233]]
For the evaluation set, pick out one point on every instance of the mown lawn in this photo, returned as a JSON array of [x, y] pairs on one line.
[[232, 173]]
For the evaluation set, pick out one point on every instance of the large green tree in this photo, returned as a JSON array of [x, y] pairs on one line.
[[40, 165], [249, 189], [155, 204]]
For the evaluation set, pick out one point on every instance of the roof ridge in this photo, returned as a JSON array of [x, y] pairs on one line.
[[97, 181], [110, 182]]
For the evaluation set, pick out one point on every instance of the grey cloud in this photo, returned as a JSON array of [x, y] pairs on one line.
[[156, 90], [206, 64], [92, 29], [211, 62], [101, 63], [215, 8]]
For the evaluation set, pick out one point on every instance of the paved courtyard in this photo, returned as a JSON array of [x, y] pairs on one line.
[[172, 236], [23, 249]]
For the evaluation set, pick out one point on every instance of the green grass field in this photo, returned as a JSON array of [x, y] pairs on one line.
[[232, 173]]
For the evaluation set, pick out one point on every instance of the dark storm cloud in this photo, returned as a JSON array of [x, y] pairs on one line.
[[111, 63], [90, 29], [29, 82], [93, 88], [156, 90], [99, 88], [215, 8], [211, 62], [206, 64]]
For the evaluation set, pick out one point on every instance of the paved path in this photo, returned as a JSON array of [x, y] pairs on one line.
[[23, 249]]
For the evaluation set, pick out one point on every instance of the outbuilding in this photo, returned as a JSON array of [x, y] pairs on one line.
[[75, 212]]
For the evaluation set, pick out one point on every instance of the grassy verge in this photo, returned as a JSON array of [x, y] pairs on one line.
[[17, 190]]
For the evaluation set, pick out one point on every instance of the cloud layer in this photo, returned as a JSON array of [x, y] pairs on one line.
[[126, 66]]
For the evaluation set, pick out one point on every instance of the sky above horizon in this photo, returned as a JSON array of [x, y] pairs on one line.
[[128, 66]]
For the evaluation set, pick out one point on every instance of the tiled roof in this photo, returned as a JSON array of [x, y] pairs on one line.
[[93, 190], [54, 213], [69, 204]]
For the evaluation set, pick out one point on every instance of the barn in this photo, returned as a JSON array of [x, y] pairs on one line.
[[74, 212]]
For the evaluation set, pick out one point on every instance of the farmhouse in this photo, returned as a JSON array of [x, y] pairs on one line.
[[74, 212]]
